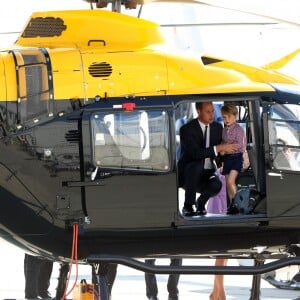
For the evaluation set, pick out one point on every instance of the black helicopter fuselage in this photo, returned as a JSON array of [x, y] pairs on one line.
[[89, 137], [47, 186]]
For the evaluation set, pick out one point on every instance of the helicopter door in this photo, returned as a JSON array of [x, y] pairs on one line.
[[132, 180], [283, 154]]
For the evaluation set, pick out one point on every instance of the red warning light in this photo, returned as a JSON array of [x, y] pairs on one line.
[[129, 106]]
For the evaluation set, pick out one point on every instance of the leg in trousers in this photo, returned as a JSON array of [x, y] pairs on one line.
[[173, 280], [110, 277], [46, 267], [151, 284], [192, 175], [31, 273]]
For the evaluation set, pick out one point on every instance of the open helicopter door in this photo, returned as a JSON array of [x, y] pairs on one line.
[[282, 146], [129, 177]]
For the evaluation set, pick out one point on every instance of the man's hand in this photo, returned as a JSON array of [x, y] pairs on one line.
[[227, 148]]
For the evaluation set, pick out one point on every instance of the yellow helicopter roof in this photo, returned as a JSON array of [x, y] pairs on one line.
[[88, 28]]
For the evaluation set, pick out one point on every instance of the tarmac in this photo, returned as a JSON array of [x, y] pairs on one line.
[[130, 284]]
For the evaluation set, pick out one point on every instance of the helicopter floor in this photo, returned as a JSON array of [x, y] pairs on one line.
[[222, 216], [219, 216]]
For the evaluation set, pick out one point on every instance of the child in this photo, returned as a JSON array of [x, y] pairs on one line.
[[232, 163]]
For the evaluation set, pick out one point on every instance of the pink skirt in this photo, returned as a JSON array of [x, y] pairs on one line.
[[218, 203]]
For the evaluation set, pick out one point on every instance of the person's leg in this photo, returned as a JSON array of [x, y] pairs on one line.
[[31, 272], [218, 292], [192, 175], [230, 184], [46, 267], [110, 277], [173, 280], [94, 277], [151, 284]]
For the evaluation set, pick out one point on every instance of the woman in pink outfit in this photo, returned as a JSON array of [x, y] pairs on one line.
[[218, 205]]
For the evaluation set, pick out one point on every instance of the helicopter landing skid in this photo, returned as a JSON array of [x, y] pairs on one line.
[[283, 284]]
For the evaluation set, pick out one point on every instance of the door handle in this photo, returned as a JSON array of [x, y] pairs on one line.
[[274, 174]]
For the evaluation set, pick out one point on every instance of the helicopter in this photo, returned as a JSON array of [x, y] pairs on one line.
[[89, 148]]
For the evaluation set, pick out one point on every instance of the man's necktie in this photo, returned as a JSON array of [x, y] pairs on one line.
[[205, 136]]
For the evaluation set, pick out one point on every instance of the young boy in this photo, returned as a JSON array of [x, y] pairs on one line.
[[232, 163]]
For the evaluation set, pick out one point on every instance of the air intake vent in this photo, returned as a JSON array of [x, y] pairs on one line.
[[72, 136], [209, 60], [102, 69], [44, 27]]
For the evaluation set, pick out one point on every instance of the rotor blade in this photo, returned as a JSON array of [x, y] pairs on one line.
[[251, 12], [10, 32], [218, 24], [212, 3], [209, 3]]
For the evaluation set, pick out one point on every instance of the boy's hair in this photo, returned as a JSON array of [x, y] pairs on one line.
[[229, 109]]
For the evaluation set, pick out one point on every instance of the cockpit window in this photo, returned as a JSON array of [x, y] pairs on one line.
[[284, 136], [131, 140]]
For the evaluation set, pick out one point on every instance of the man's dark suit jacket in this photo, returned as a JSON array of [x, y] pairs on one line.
[[192, 145]]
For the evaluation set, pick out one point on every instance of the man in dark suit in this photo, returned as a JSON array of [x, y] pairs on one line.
[[200, 141]]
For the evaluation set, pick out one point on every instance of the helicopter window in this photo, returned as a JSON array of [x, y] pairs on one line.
[[187, 111], [33, 84], [284, 136], [133, 140]]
